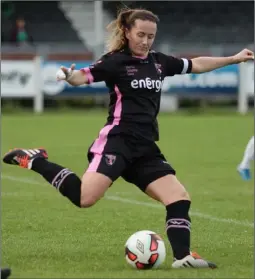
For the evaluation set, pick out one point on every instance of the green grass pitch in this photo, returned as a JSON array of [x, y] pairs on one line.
[[45, 236]]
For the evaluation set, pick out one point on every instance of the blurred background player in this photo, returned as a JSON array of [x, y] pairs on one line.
[[245, 165]]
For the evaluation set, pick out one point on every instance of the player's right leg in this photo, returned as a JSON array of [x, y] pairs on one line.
[[244, 167], [82, 192]]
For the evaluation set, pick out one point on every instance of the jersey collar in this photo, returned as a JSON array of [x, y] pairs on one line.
[[127, 50]]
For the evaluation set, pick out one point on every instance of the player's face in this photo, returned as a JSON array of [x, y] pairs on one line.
[[141, 37]]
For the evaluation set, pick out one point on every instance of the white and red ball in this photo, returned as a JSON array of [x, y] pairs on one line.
[[145, 250]]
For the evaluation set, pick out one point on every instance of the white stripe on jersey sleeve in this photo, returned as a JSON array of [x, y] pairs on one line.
[[185, 66]]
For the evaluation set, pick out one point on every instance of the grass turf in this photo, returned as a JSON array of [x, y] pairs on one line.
[[45, 236]]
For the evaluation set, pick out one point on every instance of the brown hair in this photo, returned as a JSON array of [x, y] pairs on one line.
[[125, 19]]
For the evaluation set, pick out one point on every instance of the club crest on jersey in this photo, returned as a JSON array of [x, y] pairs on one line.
[[110, 159], [158, 67]]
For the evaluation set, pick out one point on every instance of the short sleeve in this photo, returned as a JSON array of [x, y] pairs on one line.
[[175, 66], [101, 70]]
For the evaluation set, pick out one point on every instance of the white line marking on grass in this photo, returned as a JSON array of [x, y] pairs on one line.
[[148, 204], [193, 213], [22, 180]]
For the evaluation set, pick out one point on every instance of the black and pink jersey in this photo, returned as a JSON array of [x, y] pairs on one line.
[[135, 88]]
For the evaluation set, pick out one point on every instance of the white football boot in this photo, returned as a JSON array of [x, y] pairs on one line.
[[193, 261]]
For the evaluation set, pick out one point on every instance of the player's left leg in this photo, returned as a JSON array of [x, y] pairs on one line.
[[155, 176], [244, 167], [171, 193]]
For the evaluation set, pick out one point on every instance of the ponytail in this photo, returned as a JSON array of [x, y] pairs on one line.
[[117, 39]]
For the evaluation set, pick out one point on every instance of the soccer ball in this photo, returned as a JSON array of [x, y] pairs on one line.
[[145, 250]]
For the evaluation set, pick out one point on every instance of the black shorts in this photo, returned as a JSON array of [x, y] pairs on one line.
[[136, 161]]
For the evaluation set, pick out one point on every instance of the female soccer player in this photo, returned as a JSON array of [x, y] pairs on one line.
[[126, 146]]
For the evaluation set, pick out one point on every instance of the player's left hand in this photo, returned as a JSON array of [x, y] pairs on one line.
[[243, 56]]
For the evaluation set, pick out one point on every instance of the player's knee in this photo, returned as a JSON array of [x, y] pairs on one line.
[[177, 195], [180, 192], [93, 188], [184, 195], [88, 201]]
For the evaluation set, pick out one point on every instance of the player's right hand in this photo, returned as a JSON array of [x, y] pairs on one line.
[[65, 73]]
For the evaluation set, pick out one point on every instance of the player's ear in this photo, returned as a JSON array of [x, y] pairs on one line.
[[127, 33]]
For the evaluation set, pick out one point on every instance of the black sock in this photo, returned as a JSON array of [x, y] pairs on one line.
[[178, 226], [64, 180]]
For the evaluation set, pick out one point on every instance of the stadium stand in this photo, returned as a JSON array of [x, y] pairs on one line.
[[189, 22], [184, 25], [45, 22]]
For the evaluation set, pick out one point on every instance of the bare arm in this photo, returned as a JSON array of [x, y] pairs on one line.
[[207, 64]]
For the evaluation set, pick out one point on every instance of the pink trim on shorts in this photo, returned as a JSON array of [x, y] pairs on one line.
[[93, 166], [98, 147], [88, 74]]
